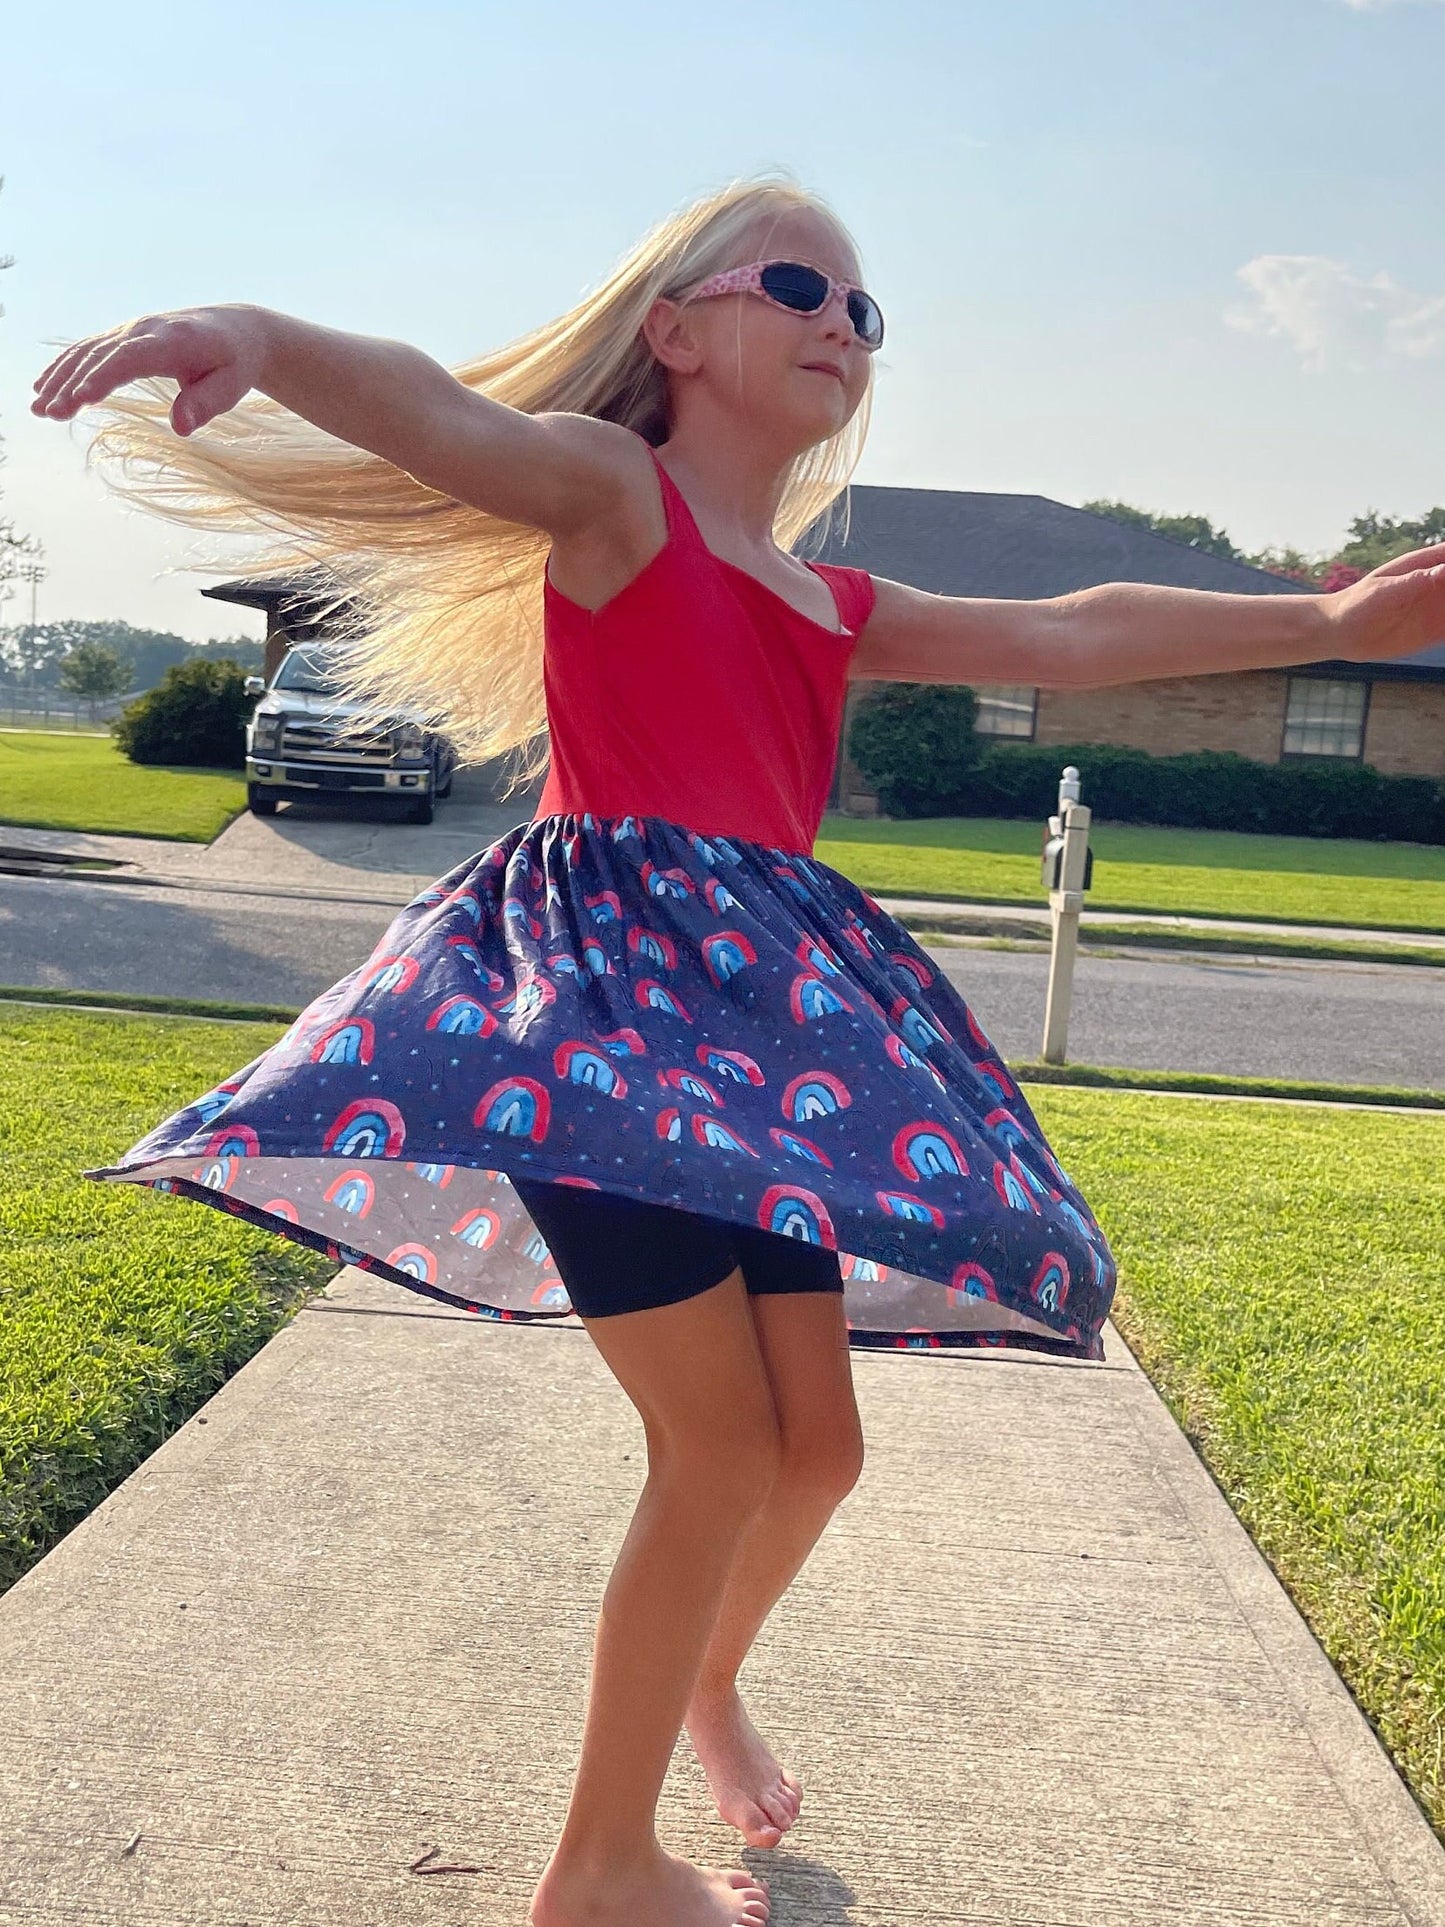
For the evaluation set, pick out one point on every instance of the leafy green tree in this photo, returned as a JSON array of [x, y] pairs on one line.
[[94, 673], [1375, 539], [1194, 531], [35, 655]]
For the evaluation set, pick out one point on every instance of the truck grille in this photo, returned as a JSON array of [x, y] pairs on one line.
[[314, 739]]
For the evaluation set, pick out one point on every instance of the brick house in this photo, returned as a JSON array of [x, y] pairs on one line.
[[970, 543], [1390, 715]]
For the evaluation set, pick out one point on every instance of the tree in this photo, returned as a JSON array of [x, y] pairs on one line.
[[1194, 531], [95, 672], [1373, 539], [17, 552], [36, 654]]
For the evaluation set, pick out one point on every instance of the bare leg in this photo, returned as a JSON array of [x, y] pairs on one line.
[[804, 1341], [696, 1375]]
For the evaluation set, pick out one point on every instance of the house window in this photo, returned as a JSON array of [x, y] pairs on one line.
[[1005, 709], [1324, 718]]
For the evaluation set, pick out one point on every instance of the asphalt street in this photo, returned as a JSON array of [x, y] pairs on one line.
[[1332, 1022]]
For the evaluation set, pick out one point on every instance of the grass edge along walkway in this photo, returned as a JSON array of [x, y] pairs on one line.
[[1150, 870], [1036, 935], [53, 780], [119, 1316], [1039, 902], [1221, 1302]]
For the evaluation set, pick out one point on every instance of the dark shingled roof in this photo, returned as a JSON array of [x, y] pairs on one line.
[[971, 542]]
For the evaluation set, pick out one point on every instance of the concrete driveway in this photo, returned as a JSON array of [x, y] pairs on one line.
[[306, 845]]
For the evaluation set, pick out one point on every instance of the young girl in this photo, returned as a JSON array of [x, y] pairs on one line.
[[752, 1123]]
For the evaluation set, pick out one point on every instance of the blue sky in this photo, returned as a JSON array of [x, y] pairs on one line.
[[1185, 252]]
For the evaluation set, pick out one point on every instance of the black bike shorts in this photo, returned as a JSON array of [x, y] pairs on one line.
[[619, 1254]]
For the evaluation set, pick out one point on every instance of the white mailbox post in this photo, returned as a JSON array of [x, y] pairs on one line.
[[1068, 865]]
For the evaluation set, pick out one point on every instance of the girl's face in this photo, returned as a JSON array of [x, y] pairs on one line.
[[797, 377]]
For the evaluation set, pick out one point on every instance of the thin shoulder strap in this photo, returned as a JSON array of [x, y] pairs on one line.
[[853, 590], [681, 526]]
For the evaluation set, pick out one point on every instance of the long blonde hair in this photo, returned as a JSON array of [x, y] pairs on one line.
[[436, 605]]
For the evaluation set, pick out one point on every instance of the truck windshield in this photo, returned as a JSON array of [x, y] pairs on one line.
[[308, 670]]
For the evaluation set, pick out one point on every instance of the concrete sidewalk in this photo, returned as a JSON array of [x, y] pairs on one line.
[[1034, 1672], [954, 912]]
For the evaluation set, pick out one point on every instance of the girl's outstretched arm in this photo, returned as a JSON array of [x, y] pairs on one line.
[[560, 473], [1118, 632]]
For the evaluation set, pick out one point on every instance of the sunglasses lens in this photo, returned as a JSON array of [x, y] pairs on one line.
[[795, 285], [867, 318]]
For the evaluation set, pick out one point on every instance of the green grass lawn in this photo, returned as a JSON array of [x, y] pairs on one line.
[[1293, 1318], [121, 1310], [53, 781], [1138, 866], [1282, 1281]]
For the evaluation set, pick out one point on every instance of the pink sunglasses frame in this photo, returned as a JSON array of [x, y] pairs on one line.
[[748, 280]]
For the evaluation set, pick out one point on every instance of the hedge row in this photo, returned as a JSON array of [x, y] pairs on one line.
[[912, 744]]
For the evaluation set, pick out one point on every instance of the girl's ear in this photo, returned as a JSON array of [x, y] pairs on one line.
[[668, 332]]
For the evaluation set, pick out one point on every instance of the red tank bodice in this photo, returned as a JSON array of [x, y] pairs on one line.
[[698, 694]]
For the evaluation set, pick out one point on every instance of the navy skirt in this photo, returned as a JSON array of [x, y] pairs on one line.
[[695, 1020]]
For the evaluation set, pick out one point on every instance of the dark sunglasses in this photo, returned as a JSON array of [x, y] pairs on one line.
[[802, 290]]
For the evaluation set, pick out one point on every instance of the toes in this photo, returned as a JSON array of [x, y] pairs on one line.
[[777, 1809]]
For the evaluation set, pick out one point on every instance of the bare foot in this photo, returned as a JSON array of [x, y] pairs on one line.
[[666, 1888], [753, 1793]]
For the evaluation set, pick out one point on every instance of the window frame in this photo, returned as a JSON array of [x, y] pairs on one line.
[[1324, 755], [1009, 735]]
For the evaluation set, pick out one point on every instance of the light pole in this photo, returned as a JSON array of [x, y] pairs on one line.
[[34, 573]]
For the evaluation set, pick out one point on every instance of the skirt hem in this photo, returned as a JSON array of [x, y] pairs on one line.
[[1084, 1349]]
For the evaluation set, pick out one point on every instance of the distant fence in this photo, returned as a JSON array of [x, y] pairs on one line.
[[46, 709]]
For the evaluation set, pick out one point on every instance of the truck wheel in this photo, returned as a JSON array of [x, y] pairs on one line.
[[421, 811], [260, 801]]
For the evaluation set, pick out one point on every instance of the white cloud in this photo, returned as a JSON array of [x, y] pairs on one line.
[[1377, 6], [1334, 317]]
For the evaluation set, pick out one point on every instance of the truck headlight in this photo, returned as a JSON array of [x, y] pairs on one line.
[[411, 740], [266, 732]]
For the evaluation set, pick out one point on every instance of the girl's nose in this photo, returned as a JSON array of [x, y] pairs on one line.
[[835, 311]]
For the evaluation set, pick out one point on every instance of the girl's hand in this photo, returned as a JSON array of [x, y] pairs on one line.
[[1395, 610], [215, 354]]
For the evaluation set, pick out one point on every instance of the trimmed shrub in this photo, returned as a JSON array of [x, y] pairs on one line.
[[914, 742], [1204, 790], [195, 715]]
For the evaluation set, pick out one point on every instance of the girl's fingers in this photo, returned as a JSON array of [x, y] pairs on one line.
[[59, 371], [1413, 560], [108, 366], [78, 372]]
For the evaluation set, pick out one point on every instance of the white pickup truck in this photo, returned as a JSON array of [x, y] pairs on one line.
[[303, 741]]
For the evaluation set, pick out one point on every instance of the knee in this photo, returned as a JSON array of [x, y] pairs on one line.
[[827, 1462], [735, 1464]]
